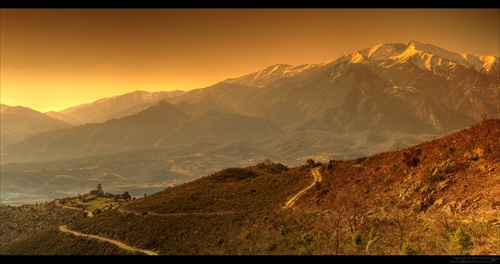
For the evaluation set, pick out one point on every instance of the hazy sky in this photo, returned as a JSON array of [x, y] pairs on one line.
[[52, 59]]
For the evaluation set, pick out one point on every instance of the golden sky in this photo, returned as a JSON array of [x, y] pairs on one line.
[[52, 59]]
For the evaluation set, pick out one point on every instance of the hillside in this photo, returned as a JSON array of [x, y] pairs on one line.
[[19, 122], [439, 197], [116, 106]]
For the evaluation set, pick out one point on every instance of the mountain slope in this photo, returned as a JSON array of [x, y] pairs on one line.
[[63, 117], [19, 122], [162, 125], [439, 197], [117, 106], [362, 90], [222, 97], [217, 127], [4, 107], [271, 74]]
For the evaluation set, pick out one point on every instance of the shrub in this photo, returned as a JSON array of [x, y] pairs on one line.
[[283, 230], [306, 238], [357, 239], [279, 168], [411, 158], [462, 239], [409, 248]]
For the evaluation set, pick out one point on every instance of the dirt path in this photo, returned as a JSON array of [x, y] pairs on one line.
[[120, 244], [317, 178], [58, 203]]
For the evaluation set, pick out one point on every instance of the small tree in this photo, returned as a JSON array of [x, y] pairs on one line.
[[126, 195]]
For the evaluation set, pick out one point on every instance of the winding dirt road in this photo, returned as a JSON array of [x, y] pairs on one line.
[[58, 203], [120, 244], [317, 178]]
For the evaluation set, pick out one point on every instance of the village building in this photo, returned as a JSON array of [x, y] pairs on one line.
[[97, 191]]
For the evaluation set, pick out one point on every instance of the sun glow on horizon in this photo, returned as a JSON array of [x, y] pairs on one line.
[[52, 59], [66, 94]]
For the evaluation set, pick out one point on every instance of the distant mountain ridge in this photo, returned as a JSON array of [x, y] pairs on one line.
[[426, 56], [162, 125], [395, 73], [117, 106], [270, 74], [17, 122], [414, 89], [383, 60], [385, 97]]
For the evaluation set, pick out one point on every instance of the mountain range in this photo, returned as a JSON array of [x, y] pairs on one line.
[[385, 97]]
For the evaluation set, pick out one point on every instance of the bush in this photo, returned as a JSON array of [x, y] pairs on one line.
[[279, 168], [462, 239], [356, 239], [411, 158], [409, 249]]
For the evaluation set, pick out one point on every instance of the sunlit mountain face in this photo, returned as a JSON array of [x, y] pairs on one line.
[[385, 97]]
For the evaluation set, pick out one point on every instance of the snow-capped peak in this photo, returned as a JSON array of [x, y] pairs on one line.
[[379, 52], [274, 72], [491, 64], [429, 56], [281, 70], [383, 51], [425, 56], [428, 50]]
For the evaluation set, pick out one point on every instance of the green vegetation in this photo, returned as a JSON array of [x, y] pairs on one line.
[[409, 249], [463, 240], [93, 204], [357, 240], [20, 221]]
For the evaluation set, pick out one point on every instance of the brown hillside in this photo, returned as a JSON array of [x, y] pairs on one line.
[[415, 197], [444, 183], [458, 173], [441, 197]]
